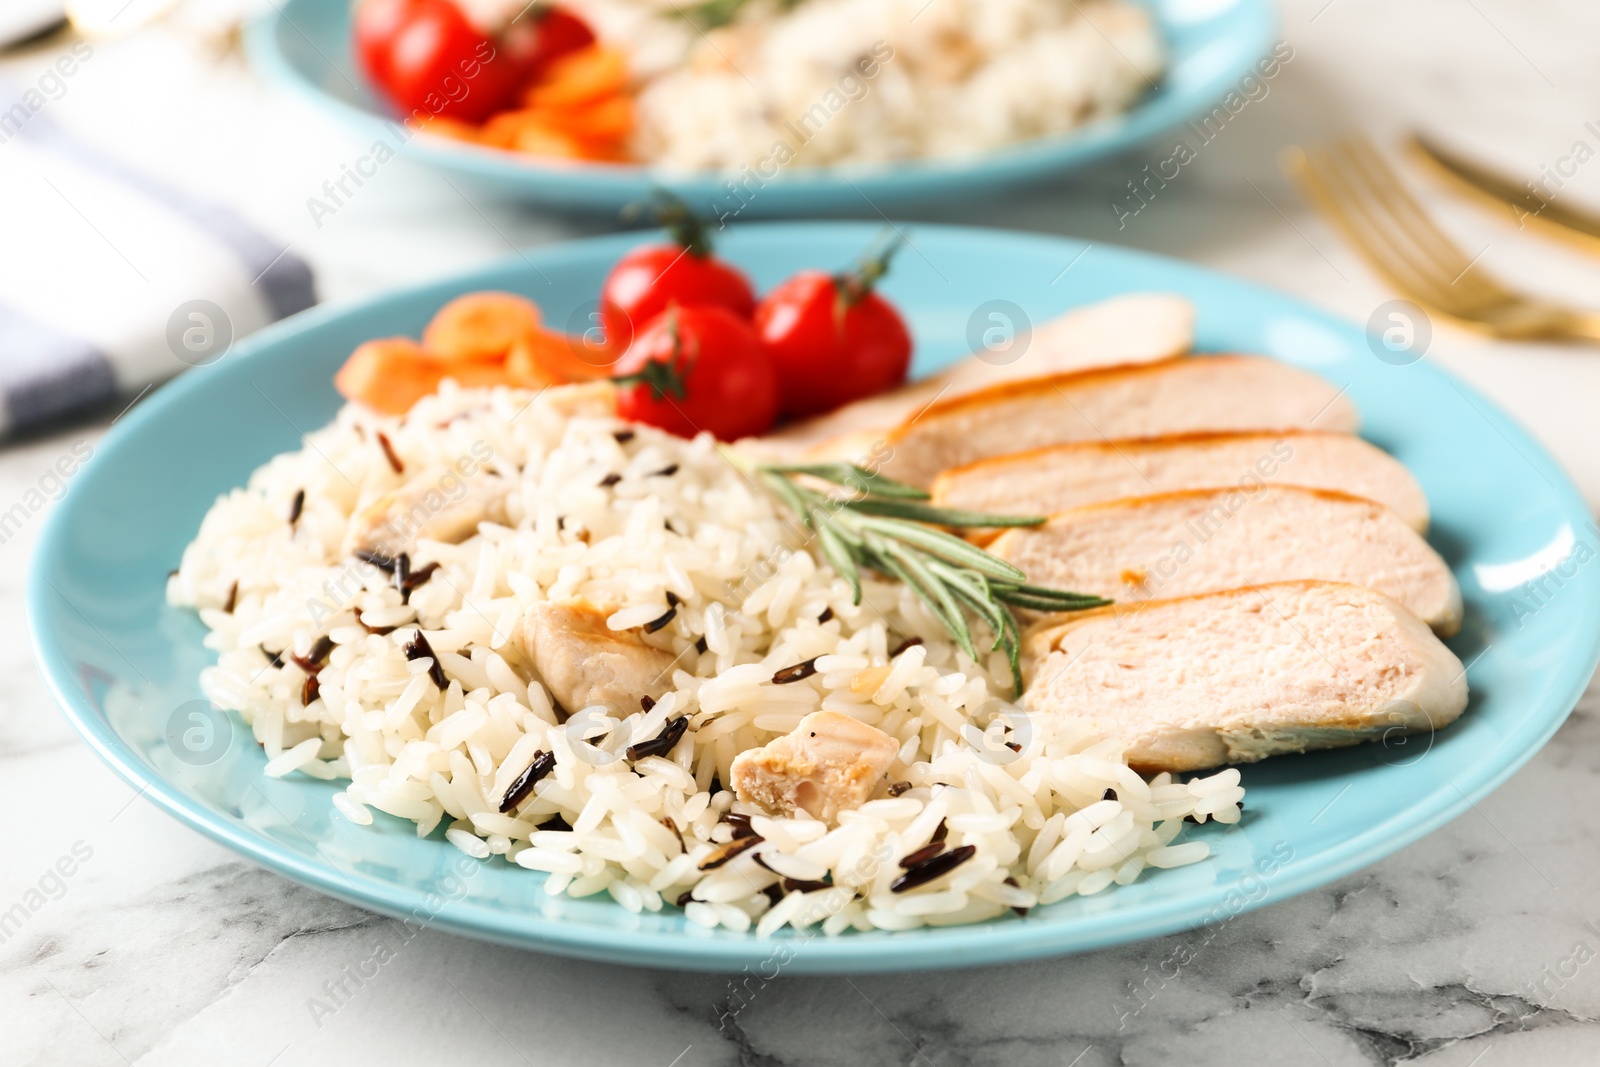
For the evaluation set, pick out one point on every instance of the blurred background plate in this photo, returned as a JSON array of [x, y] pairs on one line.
[[123, 665], [1212, 45]]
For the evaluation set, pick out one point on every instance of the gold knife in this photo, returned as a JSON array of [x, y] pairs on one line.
[[1525, 202]]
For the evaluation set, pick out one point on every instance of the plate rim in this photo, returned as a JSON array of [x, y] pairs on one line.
[[575, 182], [943, 948]]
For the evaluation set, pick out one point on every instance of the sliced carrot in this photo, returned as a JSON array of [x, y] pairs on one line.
[[537, 139], [480, 326], [501, 131], [559, 358], [476, 373], [580, 77], [389, 375], [443, 127], [607, 119]]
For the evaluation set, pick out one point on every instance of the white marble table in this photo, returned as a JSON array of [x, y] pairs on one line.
[[1472, 946]]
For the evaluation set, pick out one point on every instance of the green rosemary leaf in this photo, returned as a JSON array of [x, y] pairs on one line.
[[949, 546], [1013, 643], [710, 14], [791, 495], [974, 594], [848, 474], [889, 531], [1039, 603], [838, 554], [1045, 590], [953, 617], [898, 509]]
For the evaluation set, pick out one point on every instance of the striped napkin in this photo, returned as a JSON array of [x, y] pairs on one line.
[[111, 281]]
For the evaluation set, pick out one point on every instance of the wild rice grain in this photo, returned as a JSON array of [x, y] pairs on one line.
[[662, 743], [908, 643], [376, 559], [389, 454], [921, 855], [233, 597], [796, 673], [415, 580], [657, 623], [723, 853], [418, 648], [402, 571], [296, 506], [930, 869], [317, 658], [543, 763]]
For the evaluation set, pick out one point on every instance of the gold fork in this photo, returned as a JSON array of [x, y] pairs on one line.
[[1359, 193]]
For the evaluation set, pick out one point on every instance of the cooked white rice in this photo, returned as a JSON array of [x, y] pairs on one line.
[[1038, 818], [865, 81]]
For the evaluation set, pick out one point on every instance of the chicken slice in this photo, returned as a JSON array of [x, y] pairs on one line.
[[1136, 328], [436, 505], [1205, 540], [828, 764], [1236, 676], [585, 663], [1061, 477], [1182, 395]]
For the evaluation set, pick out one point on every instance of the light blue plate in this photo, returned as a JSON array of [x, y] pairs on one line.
[[121, 663], [1212, 44]]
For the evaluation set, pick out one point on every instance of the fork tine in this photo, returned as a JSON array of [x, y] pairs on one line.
[[1362, 198], [1392, 236], [1418, 225], [1325, 185]]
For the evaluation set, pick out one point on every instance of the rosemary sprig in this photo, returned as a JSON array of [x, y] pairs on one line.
[[712, 14], [883, 525]]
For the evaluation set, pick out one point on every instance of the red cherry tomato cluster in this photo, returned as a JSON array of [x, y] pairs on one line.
[[427, 57], [699, 352]]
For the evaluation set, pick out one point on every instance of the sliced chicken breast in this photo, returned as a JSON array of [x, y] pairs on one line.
[[1206, 540], [1172, 396], [424, 509], [1237, 676], [1137, 328], [827, 764], [584, 663], [1044, 481]]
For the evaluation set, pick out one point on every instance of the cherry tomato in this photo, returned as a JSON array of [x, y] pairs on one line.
[[552, 32], [376, 24], [651, 278], [698, 368], [833, 339], [426, 56]]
